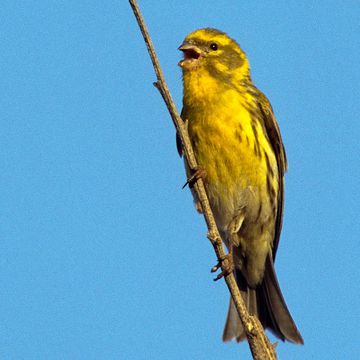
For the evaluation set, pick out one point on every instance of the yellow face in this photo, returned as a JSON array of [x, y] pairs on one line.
[[214, 51]]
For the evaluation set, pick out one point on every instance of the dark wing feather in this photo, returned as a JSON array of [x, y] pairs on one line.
[[178, 141], [273, 132], [179, 144]]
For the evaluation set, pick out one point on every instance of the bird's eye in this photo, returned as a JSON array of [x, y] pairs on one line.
[[214, 46]]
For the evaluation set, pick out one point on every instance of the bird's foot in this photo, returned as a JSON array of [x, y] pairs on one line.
[[197, 173], [226, 265]]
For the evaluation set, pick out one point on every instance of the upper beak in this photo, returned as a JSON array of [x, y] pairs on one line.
[[190, 51]]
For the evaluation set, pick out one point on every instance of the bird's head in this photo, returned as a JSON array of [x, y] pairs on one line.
[[214, 51]]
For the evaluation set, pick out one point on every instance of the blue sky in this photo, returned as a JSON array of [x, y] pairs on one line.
[[102, 255]]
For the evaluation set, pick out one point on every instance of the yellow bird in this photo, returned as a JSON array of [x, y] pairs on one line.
[[238, 146]]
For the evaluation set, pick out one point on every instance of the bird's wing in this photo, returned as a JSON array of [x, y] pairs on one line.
[[187, 168], [178, 141], [273, 132], [179, 145]]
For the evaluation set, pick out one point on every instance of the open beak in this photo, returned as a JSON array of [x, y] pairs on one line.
[[191, 54]]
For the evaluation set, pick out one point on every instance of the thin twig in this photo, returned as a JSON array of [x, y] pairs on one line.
[[260, 345]]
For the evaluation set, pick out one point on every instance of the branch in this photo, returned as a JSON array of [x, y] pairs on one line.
[[260, 345]]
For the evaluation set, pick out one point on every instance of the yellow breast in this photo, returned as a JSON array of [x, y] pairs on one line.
[[227, 141]]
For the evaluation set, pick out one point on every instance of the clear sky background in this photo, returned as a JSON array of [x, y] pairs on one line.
[[102, 255]]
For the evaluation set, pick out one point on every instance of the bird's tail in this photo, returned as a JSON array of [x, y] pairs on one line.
[[267, 303]]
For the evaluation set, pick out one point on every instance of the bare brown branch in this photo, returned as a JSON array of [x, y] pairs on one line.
[[260, 346]]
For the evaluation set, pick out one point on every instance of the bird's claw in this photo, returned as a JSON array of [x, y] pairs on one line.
[[226, 265], [197, 173]]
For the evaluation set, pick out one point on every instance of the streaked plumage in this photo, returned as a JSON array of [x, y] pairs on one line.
[[237, 142]]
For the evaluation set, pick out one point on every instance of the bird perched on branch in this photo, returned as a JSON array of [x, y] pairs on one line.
[[241, 157]]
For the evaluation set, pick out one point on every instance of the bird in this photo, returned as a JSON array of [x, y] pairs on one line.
[[242, 160]]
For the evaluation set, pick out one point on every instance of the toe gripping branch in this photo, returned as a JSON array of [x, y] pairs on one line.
[[226, 263], [196, 174], [227, 267]]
